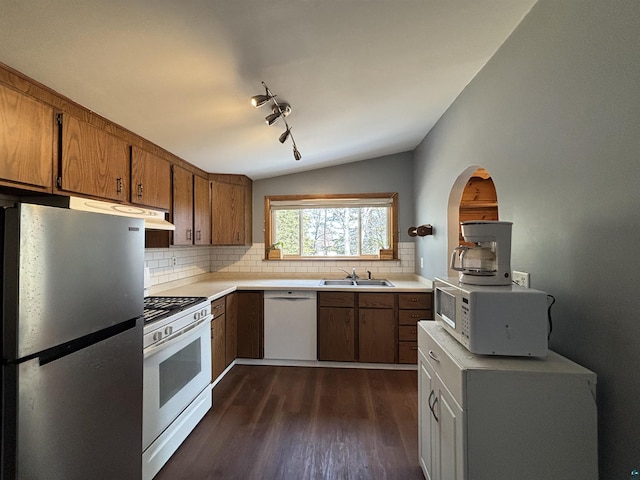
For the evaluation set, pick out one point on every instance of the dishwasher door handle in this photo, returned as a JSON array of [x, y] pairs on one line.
[[290, 299]]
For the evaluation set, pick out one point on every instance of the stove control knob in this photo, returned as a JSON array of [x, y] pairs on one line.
[[168, 330], [196, 316], [157, 336], [203, 312]]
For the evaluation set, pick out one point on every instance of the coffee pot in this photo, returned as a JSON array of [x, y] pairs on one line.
[[488, 261]]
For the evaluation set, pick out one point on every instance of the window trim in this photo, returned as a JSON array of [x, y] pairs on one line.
[[393, 221]]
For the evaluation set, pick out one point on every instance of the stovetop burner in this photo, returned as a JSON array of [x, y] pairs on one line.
[[156, 308]]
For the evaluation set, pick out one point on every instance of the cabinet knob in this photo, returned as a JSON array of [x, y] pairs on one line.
[[119, 185], [189, 234], [140, 190]]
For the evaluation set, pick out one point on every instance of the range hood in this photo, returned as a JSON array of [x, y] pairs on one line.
[[153, 219]]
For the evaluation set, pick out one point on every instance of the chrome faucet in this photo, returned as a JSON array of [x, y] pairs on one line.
[[352, 275]]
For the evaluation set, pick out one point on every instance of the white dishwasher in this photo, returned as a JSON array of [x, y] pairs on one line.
[[290, 325]]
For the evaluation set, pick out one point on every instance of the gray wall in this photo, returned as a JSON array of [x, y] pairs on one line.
[[555, 118], [391, 173]]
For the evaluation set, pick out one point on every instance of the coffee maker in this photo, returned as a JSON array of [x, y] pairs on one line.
[[488, 261]]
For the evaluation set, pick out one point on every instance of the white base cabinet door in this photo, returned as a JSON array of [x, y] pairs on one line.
[[441, 426], [491, 418]]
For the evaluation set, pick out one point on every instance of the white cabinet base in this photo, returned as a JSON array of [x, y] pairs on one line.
[[503, 418]]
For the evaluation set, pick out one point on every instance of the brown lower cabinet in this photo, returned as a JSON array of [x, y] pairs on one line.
[[336, 334], [412, 307], [377, 337], [223, 333], [218, 337], [250, 324], [370, 327], [231, 334], [336, 326]]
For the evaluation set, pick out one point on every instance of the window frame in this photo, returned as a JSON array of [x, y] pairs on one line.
[[393, 221]]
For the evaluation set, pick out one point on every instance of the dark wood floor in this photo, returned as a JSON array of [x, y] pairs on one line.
[[305, 423]]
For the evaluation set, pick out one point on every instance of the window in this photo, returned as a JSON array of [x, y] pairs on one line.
[[332, 226]]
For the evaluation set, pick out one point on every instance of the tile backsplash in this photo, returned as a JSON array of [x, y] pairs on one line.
[[170, 264]]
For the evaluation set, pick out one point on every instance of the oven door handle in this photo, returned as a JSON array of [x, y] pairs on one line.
[[175, 337]]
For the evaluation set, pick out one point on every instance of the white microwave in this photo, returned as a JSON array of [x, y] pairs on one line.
[[493, 320]]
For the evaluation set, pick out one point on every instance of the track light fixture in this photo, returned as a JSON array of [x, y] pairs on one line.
[[279, 110]]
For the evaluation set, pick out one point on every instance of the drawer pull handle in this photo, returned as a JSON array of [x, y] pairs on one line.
[[434, 356]]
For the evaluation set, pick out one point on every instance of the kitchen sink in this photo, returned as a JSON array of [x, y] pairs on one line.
[[337, 282], [357, 283], [374, 283]]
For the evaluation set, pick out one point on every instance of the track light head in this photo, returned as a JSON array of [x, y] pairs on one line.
[[272, 118], [296, 153], [260, 100], [284, 136], [279, 110]]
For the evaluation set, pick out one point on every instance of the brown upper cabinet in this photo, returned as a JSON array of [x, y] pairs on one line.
[[182, 206], [150, 179], [191, 208], [201, 211], [91, 161], [231, 209], [27, 141]]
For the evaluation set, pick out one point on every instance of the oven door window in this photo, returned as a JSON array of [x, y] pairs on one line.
[[178, 370]]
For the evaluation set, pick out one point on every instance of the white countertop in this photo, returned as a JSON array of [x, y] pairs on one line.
[[214, 285]]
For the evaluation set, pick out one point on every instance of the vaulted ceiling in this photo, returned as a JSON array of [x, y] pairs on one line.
[[364, 78]]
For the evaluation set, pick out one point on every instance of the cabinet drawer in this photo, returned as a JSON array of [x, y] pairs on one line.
[[412, 317], [218, 307], [443, 364], [408, 352], [408, 333], [415, 300], [376, 300], [336, 299]]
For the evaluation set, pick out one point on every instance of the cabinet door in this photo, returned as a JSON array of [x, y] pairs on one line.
[[150, 179], [182, 206], [231, 332], [26, 141], [228, 213], [217, 346], [250, 325], [201, 211], [377, 335], [449, 443], [426, 419], [92, 162], [336, 334]]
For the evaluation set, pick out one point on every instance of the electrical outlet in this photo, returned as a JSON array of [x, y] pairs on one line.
[[521, 278], [174, 261]]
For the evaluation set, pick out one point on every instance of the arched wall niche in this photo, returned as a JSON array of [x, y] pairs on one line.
[[473, 196]]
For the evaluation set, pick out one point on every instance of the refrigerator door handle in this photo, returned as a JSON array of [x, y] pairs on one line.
[[59, 351]]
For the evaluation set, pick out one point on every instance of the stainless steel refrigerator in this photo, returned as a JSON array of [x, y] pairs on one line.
[[72, 306]]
